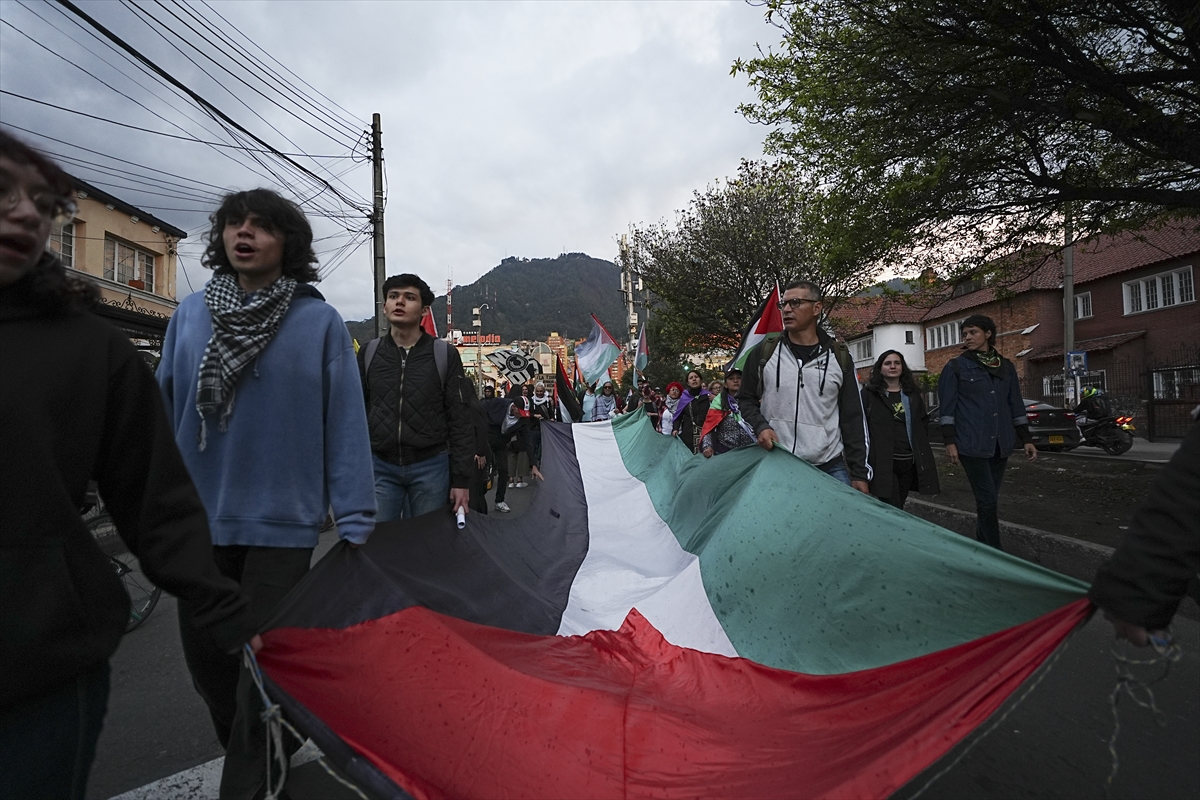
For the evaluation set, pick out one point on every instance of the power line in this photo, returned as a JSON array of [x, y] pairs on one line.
[[209, 107], [157, 133]]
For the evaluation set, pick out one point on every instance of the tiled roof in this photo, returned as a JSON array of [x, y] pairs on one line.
[[854, 317], [1088, 345], [1095, 259]]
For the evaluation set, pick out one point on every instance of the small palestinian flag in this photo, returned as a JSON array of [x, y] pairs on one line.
[[427, 323], [564, 395], [596, 353], [641, 357], [768, 320]]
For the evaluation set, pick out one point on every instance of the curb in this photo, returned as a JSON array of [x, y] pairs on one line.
[[1072, 557]]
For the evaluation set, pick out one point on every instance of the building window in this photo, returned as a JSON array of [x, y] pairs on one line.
[[1083, 305], [863, 350], [944, 335], [908, 337], [124, 263], [1052, 385], [1160, 291], [62, 241]]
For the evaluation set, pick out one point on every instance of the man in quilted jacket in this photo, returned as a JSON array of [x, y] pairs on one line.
[[418, 410]]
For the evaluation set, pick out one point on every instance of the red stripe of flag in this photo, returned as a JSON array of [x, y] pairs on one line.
[[449, 708]]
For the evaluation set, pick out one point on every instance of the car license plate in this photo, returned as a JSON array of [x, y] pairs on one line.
[[1055, 439]]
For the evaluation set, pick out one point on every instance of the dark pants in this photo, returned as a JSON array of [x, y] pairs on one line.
[[903, 475], [985, 475], [266, 575], [499, 445], [47, 743]]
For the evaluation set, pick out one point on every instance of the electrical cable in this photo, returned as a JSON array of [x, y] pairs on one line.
[[207, 106]]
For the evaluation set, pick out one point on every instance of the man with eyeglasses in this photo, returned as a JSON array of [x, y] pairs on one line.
[[799, 392]]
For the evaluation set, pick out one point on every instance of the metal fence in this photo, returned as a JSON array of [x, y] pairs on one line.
[[1160, 395]]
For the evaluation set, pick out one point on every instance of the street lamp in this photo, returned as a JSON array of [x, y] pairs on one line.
[[477, 321]]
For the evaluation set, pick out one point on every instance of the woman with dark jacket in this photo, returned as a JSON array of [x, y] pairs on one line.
[[78, 403], [900, 456]]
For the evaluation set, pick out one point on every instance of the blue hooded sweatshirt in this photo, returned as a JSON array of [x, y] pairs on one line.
[[297, 440]]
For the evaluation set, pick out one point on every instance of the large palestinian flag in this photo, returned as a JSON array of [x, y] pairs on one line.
[[660, 625]]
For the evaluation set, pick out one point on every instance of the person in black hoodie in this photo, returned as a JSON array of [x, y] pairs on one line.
[[900, 456], [78, 403]]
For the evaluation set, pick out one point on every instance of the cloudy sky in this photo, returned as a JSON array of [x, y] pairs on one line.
[[525, 129]]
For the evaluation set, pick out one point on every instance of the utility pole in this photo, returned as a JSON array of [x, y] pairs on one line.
[[1069, 307], [629, 284], [377, 222]]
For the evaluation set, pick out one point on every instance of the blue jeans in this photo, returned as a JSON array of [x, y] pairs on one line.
[[47, 744], [411, 490], [836, 469], [986, 475]]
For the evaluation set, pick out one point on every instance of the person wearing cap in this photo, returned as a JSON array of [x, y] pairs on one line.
[[731, 432]]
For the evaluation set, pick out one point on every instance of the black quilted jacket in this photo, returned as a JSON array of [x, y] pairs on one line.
[[410, 414]]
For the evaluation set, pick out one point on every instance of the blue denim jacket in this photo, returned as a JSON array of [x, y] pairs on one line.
[[983, 410]]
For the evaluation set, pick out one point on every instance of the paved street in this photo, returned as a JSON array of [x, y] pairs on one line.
[[1053, 744]]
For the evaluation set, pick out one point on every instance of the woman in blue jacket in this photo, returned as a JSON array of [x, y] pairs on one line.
[[982, 416]]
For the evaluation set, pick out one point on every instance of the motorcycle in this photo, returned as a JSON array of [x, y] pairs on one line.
[[1113, 435]]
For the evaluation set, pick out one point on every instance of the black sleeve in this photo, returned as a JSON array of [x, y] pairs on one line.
[[1149, 573], [457, 405], [749, 396], [158, 513], [852, 423]]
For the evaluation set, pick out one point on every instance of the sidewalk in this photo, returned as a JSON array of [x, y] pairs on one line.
[[1142, 450], [1076, 558]]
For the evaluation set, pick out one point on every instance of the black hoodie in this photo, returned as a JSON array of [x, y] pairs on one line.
[[78, 403]]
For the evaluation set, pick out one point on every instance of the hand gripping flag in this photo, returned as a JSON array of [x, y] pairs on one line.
[[596, 353], [641, 356], [564, 395], [636, 633], [517, 366], [767, 320]]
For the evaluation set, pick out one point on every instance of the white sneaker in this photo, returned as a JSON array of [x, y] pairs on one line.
[[520, 485], [503, 506]]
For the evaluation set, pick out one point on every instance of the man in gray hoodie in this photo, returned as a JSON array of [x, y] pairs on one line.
[[799, 392]]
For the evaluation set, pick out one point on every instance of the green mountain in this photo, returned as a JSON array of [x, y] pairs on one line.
[[529, 298]]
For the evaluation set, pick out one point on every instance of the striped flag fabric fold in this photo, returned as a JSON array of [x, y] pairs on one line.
[[564, 395], [640, 633]]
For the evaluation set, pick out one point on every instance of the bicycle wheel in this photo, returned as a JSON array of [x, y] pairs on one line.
[[143, 595]]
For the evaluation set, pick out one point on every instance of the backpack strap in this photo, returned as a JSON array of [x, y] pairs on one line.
[[441, 357], [372, 347], [766, 350], [841, 351]]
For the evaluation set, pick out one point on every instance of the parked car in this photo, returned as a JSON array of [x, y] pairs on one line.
[[1052, 428]]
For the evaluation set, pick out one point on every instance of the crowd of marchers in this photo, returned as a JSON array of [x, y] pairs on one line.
[[263, 418]]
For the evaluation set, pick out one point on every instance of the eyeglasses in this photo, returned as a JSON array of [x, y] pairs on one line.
[[54, 207], [794, 303]]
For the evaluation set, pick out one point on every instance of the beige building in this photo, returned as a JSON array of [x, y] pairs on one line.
[[129, 254]]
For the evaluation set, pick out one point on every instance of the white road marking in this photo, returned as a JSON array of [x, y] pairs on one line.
[[202, 782]]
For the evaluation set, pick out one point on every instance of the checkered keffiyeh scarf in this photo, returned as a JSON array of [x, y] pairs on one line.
[[240, 333]]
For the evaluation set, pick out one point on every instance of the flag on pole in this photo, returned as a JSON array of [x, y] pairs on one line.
[[768, 320], [596, 353], [427, 323], [641, 356], [651, 637], [564, 395]]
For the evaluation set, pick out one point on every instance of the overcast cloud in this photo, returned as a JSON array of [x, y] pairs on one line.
[[523, 129]]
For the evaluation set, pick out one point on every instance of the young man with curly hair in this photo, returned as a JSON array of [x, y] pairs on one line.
[[261, 383]]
